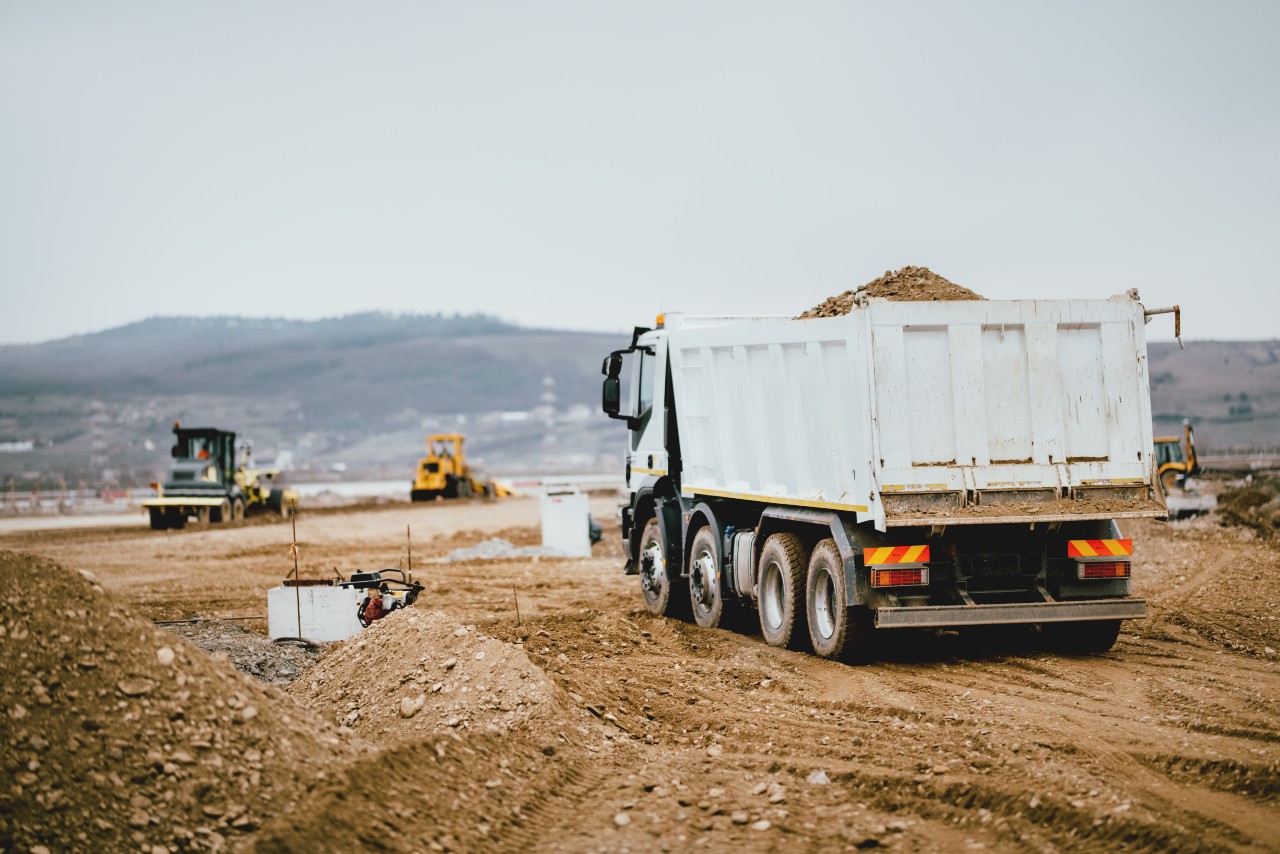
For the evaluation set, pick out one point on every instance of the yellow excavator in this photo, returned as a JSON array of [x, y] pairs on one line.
[[444, 472], [1173, 463]]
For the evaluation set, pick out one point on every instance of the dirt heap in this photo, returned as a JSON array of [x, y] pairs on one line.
[[418, 672], [120, 736], [1254, 504], [910, 284]]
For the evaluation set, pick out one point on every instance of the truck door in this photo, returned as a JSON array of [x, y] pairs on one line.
[[647, 456]]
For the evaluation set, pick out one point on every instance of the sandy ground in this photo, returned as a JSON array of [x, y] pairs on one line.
[[591, 725]]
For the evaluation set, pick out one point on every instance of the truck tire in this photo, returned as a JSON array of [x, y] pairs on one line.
[[706, 595], [220, 513], [1090, 637], [175, 518], [237, 510], [836, 630], [663, 594], [158, 522], [782, 591]]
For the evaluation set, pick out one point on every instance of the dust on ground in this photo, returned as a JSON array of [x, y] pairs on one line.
[[911, 284], [623, 731]]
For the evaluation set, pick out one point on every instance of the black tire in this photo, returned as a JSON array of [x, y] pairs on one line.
[[158, 521], [783, 568], [706, 592], [663, 590], [220, 514], [836, 630], [450, 487], [175, 519], [1091, 637]]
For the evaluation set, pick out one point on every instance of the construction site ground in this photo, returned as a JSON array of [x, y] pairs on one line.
[[585, 724]]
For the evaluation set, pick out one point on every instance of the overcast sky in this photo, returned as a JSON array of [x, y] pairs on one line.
[[585, 165]]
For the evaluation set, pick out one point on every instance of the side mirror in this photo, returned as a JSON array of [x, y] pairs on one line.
[[611, 396], [612, 367]]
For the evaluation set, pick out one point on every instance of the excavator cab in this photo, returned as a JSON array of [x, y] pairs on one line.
[[1173, 463]]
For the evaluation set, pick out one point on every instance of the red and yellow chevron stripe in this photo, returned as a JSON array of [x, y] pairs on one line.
[[895, 554], [1099, 548]]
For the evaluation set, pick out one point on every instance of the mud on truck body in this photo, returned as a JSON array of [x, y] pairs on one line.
[[908, 465]]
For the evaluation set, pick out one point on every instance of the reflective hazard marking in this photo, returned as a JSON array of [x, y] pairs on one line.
[[1099, 548], [895, 554]]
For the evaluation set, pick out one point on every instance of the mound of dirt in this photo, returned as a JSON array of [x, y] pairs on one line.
[[419, 672], [910, 284], [119, 736], [1255, 504]]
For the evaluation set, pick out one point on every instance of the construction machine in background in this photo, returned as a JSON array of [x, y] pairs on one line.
[[445, 473], [1175, 464], [205, 483]]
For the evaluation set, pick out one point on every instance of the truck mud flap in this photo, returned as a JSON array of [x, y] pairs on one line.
[[1001, 615]]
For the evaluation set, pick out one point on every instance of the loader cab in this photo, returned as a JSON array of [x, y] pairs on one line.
[[203, 458]]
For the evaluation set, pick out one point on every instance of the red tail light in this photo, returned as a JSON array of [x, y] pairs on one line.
[[900, 577], [1103, 569]]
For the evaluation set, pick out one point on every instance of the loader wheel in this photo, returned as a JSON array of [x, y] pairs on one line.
[[661, 591], [1169, 480], [706, 594], [450, 487], [1091, 637], [782, 591], [158, 522], [464, 488], [836, 630]]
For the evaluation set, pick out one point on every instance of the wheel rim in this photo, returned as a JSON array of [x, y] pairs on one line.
[[653, 574], [824, 604], [700, 580], [771, 595]]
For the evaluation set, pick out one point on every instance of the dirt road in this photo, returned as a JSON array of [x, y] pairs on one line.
[[589, 725]]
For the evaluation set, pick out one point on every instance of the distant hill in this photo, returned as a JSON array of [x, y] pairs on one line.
[[1230, 391], [313, 388], [364, 390]]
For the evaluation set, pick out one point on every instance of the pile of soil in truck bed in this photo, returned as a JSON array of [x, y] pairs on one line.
[[910, 284]]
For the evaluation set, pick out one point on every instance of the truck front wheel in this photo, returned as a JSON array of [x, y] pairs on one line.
[[158, 521], [656, 584], [835, 630], [782, 591], [705, 595]]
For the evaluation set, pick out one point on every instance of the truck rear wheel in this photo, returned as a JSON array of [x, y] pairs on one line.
[[175, 518], [659, 589], [1090, 637], [835, 630], [705, 594], [237, 510], [221, 512], [782, 591], [157, 519]]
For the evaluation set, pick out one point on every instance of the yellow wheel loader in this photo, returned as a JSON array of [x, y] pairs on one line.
[[444, 472]]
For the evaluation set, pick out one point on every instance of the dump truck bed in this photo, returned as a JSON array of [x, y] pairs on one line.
[[923, 413]]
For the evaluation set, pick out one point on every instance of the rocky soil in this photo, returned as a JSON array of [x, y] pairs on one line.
[[584, 724]]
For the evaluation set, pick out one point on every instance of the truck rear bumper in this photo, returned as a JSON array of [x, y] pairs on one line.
[[1003, 615]]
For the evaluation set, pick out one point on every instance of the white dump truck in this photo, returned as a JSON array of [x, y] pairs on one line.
[[906, 465]]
